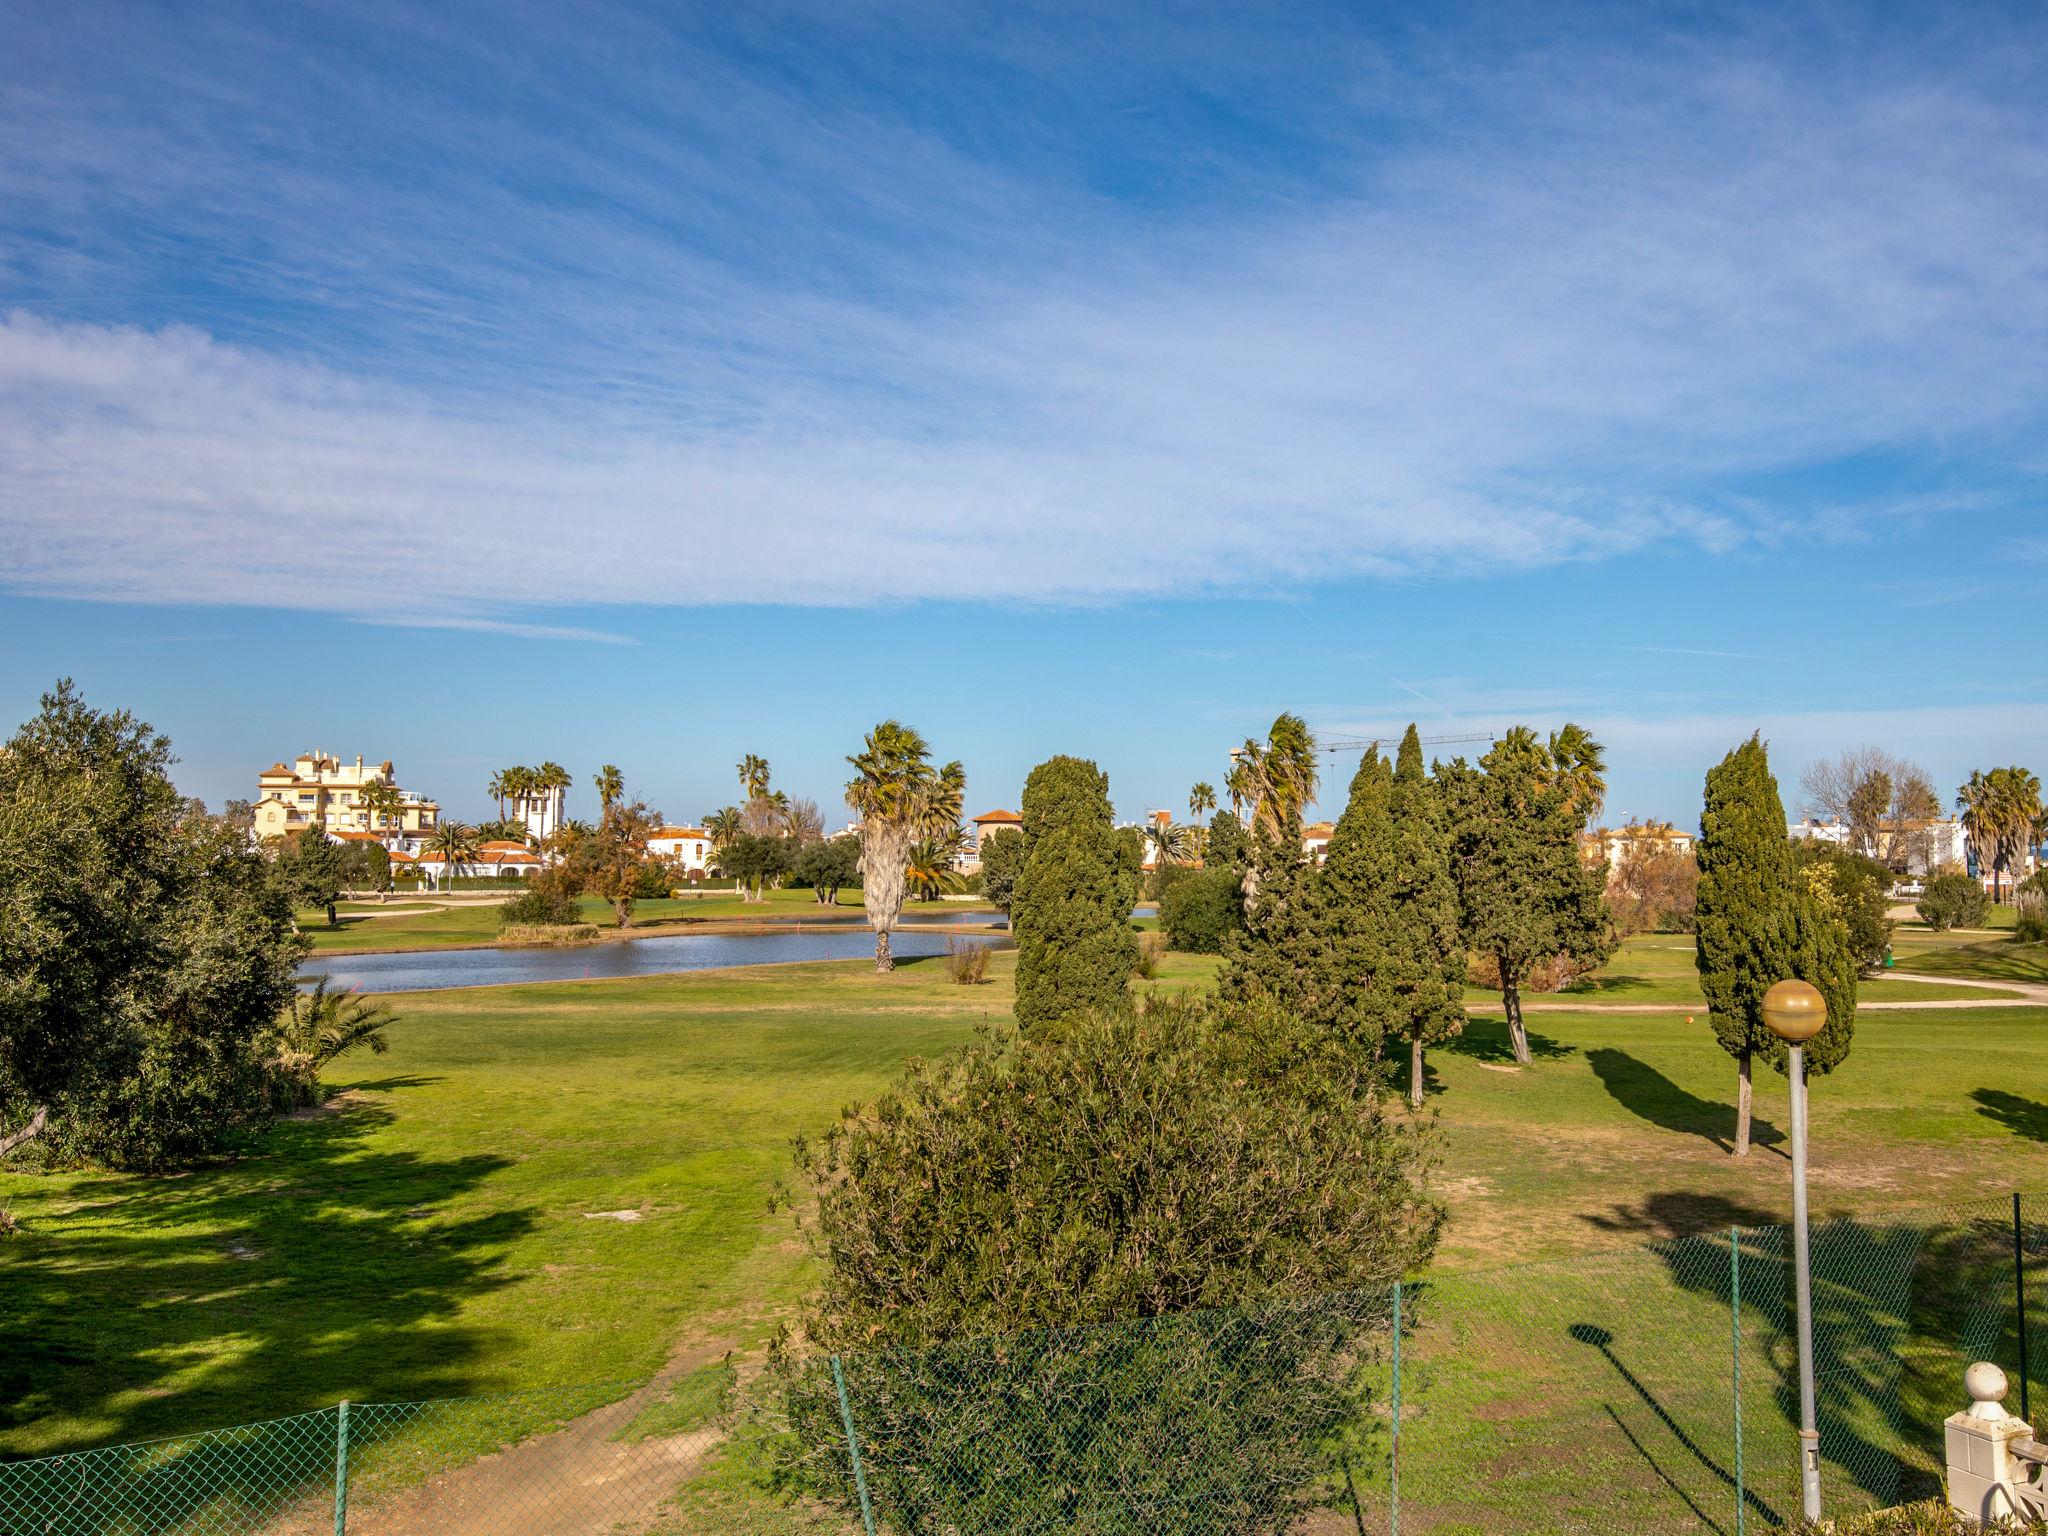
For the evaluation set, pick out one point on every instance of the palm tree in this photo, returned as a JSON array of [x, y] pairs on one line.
[[930, 870], [1237, 784], [1578, 765], [753, 772], [496, 790], [2000, 811], [1522, 748], [611, 784], [1201, 801], [456, 844], [321, 1025], [893, 791], [724, 824], [1170, 844], [1281, 774], [1978, 803]]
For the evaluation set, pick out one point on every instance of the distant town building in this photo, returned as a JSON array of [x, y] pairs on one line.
[[1315, 839], [540, 811], [986, 826], [493, 858], [688, 847], [1618, 844], [1919, 848], [317, 790]]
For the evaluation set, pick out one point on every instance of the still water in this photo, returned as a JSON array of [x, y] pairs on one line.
[[425, 970]]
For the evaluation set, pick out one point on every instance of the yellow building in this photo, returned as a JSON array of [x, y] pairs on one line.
[[322, 791]]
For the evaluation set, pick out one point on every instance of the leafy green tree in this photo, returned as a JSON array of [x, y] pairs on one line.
[[549, 901], [1072, 905], [310, 866], [1855, 888], [1201, 912], [1130, 1168], [1953, 901], [1225, 843], [755, 860], [619, 852], [1002, 861], [1758, 923], [828, 866], [144, 953], [1524, 893]]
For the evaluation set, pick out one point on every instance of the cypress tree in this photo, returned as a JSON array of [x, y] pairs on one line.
[[1281, 954], [1524, 894], [1071, 908], [1429, 982], [1758, 924]]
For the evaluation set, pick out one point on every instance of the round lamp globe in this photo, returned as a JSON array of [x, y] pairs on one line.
[[1795, 1011]]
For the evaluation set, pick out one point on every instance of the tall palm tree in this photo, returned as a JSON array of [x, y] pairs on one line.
[[1281, 774], [611, 784], [930, 870], [1237, 784], [456, 844], [1201, 801], [893, 791], [1578, 765], [753, 772], [496, 790]]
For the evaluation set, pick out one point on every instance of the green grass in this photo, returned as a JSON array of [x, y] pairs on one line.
[[432, 1235]]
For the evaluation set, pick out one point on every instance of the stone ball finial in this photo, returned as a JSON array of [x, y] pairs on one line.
[[1987, 1387]]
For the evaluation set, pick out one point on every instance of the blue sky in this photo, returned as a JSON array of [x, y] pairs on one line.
[[673, 382]]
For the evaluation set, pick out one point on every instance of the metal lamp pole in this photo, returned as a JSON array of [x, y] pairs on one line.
[[1796, 1012]]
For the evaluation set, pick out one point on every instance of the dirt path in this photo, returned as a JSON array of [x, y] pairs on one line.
[[577, 1481]]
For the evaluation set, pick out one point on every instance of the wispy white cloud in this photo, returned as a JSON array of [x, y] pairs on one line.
[[764, 343]]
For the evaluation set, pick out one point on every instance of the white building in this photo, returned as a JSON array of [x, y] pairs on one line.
[[495, 858], [689, 848], [1927, 847]]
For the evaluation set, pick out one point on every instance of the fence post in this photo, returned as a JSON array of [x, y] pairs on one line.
[[860, 1478], [341, 1469], [2019, 1291], [1394, 1463], [1735, 1357]]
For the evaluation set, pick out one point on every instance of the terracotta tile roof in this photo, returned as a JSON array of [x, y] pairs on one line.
[[666, 833], [999, 816], [1319, 829]]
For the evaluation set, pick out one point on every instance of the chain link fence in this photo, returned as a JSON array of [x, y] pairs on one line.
[[1645, 1389]]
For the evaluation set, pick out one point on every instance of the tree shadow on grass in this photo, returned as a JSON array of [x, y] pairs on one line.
[[1680, 1213], [2023, 1117], [317, 1269], [1648, 1094], [1485, 1039]]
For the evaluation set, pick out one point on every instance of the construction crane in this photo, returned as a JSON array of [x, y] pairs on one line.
[[1363, 744]]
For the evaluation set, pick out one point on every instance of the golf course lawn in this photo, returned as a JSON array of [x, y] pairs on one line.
[[441, 1227]]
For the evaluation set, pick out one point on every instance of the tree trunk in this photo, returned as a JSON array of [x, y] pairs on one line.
[[1742, 1099], [28, 1132], [1511, 995], [884, 961], [1415, 1071]]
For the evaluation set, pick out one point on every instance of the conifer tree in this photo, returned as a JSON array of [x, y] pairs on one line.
[[1429, 984], [1524, 894], [1281, 954], [1071, 907], [1758, 924]]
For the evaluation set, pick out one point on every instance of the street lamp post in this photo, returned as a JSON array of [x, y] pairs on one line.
[[1796, 1012]]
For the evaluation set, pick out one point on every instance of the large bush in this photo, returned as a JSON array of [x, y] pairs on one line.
[[1134, 1166], [1201, 911], [549, 901], [145, 950], [1953, 901], [1853, 889]]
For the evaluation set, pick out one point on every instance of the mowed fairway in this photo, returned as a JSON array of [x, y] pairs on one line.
[[450, 1224]]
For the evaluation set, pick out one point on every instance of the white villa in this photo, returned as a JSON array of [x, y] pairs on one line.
[[687, 847]]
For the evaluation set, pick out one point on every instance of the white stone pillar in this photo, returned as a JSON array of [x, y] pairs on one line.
[[1982, 1470]]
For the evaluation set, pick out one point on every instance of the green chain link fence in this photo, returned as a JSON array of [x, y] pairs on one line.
[[1643, 1389]]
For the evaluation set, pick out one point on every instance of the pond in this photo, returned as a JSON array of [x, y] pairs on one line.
[[431, 969]]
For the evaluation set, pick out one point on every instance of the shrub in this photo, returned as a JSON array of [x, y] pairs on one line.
[[1151, 950], [966, 962], [1166, 877], [547, 935], [2030, 918], [1953, 901], [1024, 1183], [1853, 890], [1553, 973], [1199, 913], [546, 902]]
